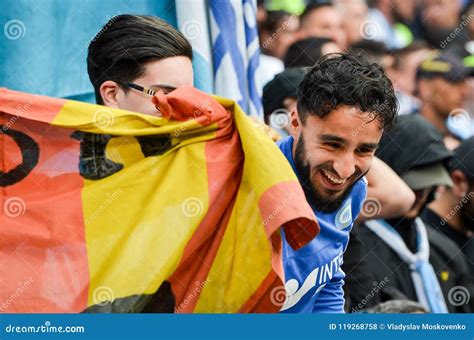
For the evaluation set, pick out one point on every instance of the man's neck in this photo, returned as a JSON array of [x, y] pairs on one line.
[[434, 118], [445, 207]]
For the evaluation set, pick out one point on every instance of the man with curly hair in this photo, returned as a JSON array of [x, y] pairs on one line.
[[344, 105]]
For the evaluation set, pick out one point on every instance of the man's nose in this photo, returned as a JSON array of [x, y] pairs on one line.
[[344, 165]]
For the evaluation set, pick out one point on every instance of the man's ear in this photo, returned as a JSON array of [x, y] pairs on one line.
[[109, 93], [295, 124], [461, 185]]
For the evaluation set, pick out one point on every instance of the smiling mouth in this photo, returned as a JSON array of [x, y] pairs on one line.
[[332, 179]]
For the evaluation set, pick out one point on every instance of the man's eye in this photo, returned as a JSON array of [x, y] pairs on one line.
[[364, 150], [333, 145]]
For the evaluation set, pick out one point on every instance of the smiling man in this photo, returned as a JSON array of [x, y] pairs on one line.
[[344, 105]]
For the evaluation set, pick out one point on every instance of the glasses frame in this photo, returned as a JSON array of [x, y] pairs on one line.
[[145, 90]]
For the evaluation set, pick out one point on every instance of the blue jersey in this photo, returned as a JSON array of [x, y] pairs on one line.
[[313, 274]]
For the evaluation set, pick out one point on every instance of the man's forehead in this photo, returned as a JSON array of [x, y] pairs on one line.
[[343, 116], [348, 123]]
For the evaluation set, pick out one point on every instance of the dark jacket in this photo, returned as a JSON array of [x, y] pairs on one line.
[[375, 273]]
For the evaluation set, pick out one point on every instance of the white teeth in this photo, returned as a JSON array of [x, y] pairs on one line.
[[332, 179]]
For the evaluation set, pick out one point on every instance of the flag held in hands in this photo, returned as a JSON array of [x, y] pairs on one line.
[[106, 210]]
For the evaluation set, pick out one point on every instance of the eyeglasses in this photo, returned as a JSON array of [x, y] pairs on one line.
[[165, 88], [140, 88]]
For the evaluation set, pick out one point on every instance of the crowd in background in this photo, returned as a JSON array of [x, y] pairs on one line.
[[426, 47]]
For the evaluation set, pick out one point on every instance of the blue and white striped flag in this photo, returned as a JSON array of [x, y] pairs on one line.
[[224, 37]]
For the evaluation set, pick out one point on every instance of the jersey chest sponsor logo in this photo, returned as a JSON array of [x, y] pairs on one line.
[[319, 276]]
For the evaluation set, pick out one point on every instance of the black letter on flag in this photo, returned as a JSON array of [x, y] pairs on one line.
[[29, 151]]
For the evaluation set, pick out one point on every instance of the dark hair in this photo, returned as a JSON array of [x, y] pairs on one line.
[[274, 20], [305, 52], [347, 79], [126, 44], [312, 6]]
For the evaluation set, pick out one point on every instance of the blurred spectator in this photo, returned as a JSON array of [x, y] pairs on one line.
[[465, 48], [355, 14], [323, 20], [398, 307], [399, 251], [279, 99], [387, 22], [407, 60], [440, 18], [403, 75], [261, 14], [276, 34], [452, 213], [306, 52], [374, 51], [441, 87]]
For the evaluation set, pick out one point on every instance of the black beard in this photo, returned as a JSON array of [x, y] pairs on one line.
[[313, 196]]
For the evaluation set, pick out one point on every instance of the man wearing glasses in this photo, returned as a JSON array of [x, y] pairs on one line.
[[134, 56]]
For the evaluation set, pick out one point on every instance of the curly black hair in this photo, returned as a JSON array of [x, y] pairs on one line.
[[347, 79]]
